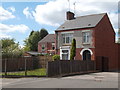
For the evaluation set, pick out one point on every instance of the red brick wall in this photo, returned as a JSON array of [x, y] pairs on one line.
[[58, 51], [105, 42], [40, 48], [79, 56], [48, 46]]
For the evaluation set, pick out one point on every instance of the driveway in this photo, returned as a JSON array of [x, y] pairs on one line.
[[93, 80]]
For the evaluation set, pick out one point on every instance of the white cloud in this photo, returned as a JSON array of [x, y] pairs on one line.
[[114, 20], [12, 9], [12, 28], [53, 12], [5, 15], [27, 13], [3, 35]]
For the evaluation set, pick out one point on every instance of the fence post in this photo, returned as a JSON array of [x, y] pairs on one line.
[[25, 67], [46, 59], [59, 67], [47, 69], [5, 67]]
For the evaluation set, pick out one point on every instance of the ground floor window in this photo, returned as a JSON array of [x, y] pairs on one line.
[[65, 53]]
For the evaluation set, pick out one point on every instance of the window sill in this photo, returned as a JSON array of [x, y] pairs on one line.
[[86, 43], [66, 44]]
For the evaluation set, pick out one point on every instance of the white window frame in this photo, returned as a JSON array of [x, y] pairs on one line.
[[86, 36], [66, 36], [64, 48]]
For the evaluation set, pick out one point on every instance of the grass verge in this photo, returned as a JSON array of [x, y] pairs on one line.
[[36, 72]]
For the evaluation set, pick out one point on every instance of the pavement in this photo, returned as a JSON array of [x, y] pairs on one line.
[[93, 80]]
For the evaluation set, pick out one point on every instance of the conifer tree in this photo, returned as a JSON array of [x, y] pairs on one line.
[[73, 50]]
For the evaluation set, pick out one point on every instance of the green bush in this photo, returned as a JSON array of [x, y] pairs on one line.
[[56, 57]]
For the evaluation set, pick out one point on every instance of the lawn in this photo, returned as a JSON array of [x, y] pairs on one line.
[[36, 72]]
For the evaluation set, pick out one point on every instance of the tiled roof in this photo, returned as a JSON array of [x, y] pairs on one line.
[[82, 22], [48, 38]]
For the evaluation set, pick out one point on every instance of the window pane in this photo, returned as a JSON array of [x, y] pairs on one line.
[[67, 39], [63, 39], [70, 39], [53, 47], [43, 47], [86, 37], [64, 51]]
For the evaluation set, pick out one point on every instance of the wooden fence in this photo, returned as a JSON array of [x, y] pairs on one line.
[[65, 67], [19, 64], [43, 60], [22, 63]]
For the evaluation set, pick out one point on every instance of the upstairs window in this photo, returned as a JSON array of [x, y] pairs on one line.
[[67, 38], [86, 37], [53, 46], [43, 47]]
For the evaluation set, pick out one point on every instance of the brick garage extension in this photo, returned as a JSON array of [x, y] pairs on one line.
[[105, 42]]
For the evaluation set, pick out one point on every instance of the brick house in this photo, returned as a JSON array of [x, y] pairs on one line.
[[94, 36], [47, 44]]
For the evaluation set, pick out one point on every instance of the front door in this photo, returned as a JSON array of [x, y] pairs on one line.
[[86, 55]]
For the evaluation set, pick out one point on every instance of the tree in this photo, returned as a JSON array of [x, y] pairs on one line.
[[7, 42], [43, 33], [35, 38], [73, 50], [31, 33], [31, 43], [10, 48]]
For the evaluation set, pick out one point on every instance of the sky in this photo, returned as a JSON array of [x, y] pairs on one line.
[[19, 17]]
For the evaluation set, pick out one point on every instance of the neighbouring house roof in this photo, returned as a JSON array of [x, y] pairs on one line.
[[48, 38], [82, 22], [32, 53]]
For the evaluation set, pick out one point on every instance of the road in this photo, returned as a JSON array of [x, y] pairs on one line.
[[93, 80]]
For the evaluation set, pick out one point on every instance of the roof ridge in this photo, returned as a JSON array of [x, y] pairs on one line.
[[47, 37], [91, 15]]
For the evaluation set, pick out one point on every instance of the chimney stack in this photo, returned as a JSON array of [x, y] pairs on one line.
[[70, 15]]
